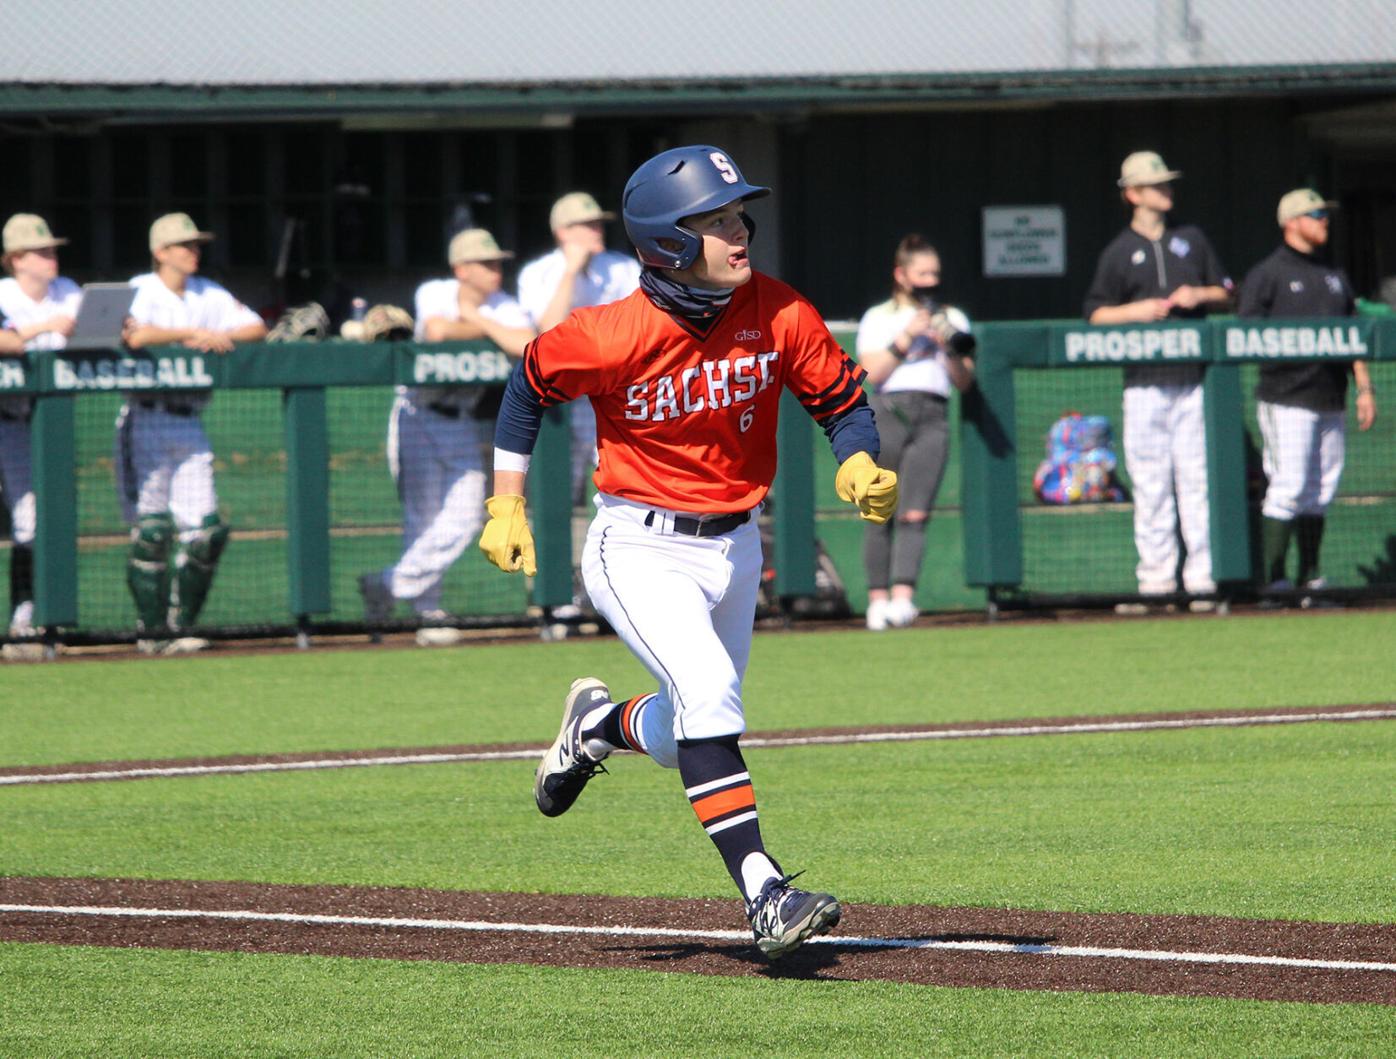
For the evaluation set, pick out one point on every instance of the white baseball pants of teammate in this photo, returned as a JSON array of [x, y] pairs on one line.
[[164, 463], [1303, 459], [440, 474], [1165, 444], [582, 424], [15, 481], [685, 607]]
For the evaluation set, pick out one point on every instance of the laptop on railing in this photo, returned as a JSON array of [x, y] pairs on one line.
[[101, 316]]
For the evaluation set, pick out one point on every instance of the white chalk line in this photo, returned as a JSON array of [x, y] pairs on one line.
[[855, 941], [530, 754]]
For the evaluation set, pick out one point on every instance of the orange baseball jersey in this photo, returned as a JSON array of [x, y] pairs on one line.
[[687, 421]]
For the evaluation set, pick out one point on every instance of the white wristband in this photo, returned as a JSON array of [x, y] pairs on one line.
[[504, 460]]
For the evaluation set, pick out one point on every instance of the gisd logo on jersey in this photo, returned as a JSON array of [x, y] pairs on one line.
[[747, 335]]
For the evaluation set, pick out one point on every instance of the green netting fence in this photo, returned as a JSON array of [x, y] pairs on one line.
[[298, 433]]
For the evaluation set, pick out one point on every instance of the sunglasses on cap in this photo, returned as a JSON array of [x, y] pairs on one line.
[[1318, 215]]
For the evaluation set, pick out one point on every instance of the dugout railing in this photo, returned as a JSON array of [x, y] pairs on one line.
[[298, 434], [1022, 552]]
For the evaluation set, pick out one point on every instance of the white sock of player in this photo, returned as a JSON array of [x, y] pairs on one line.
[[592, 741], [757, 870]]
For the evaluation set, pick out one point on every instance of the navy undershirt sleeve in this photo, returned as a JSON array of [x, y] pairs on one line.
[[520, 415], [853, 430]]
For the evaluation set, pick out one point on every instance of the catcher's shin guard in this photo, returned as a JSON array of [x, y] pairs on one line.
[[194, 570], [21, 575], [148, 569]]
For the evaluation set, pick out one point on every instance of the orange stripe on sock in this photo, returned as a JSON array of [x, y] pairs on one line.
[[723, 802], [627, 728]]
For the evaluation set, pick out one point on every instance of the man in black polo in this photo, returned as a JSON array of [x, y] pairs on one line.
[[1301, 405], [1152, 272]]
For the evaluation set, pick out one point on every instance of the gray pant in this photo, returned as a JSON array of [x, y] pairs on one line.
[[915, 443]]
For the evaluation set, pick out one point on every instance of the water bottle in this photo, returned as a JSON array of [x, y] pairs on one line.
[[357, 308]]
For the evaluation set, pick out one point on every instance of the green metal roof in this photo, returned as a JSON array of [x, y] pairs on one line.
[[784, 94]]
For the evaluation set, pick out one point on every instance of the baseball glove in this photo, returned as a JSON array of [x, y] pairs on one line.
[[386, 323], [301, 323]]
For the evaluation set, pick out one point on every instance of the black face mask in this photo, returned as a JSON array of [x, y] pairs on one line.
[[927, 297]]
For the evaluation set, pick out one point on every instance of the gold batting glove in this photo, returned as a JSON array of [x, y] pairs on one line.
[[506, 540], [872, 488]]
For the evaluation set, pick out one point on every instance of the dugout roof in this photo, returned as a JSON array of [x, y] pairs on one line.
[[320, 57]]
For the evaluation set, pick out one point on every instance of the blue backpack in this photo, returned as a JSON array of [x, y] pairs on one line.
[[1080, 463]]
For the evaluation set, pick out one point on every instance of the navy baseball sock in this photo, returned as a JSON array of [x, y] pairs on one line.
[[619, 728], [1275, 534], [1308, 530], [718, 787]]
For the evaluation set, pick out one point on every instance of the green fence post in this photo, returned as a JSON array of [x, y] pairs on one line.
[[993, 532], [307, 499], [792, 496], [550, 495], [53, 457], [1226, 472]]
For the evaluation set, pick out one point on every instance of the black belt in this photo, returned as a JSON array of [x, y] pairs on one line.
[[705, 527], [169, 406], [450, 411], [15, 417]]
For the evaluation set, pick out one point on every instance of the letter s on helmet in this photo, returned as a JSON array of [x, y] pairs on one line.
[[679, 183]]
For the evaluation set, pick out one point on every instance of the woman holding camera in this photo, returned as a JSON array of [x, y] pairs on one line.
[[915, 351]]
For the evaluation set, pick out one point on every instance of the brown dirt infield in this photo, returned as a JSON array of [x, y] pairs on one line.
[[833, 962], [78, 771]]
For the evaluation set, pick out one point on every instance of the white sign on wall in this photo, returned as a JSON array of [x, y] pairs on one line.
[[1024, 241]]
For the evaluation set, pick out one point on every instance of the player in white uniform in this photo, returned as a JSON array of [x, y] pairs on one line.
[[1301, 407], [164, 466], [578, 273], [37, 307], [1149, 272], [435, 440]]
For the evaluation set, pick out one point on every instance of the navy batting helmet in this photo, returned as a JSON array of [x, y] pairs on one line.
[[676, 184]]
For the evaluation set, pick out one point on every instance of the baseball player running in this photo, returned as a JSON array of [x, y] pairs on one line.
[[38, 308], [435, 439], [685, 376], [1301, 406], [1153, 272], [164, 465]]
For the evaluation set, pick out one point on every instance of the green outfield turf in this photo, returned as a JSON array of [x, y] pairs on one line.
[[81, 1002], [227, 702], [1284, 822], [1277, 822]]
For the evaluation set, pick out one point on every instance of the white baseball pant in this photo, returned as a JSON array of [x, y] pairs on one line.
[[164, 463], [440, 474], [685, 606], [582, 429], [1165, 444], [16, 482], [1303, 459]]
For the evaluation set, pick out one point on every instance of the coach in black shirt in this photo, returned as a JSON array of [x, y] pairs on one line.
[[1152, 272], [1301, 406]]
